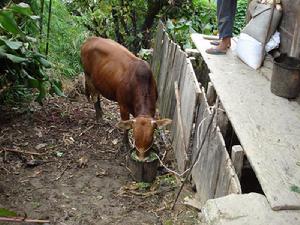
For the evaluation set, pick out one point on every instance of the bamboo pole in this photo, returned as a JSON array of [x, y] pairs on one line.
[[48, 27], [42, 17]]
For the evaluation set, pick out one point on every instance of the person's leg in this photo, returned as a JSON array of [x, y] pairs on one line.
[[225, 13]]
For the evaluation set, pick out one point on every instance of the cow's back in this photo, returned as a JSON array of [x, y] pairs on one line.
[[106, 65]]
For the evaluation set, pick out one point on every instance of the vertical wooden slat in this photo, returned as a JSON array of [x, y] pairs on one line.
[[157, 50]]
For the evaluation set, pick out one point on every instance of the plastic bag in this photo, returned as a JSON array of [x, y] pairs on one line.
[[273, 42]]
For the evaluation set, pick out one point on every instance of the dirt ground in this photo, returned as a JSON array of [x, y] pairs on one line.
[[66, 170]]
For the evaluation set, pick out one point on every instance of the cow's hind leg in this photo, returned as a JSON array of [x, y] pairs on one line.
[[99, 112]]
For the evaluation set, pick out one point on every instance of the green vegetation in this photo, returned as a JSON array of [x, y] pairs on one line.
[[240, 17], [67, 33], [150, 158], [7, 213]]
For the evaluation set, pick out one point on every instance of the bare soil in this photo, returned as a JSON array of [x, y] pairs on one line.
[[75, 178]]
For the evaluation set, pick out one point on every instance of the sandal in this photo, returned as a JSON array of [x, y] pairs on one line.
[[215, 43], [215, 51]]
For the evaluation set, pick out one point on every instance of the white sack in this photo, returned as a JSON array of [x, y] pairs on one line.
[[250, 51]]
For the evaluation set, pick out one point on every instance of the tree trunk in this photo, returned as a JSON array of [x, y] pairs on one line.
[[117, 28], [154, 6]]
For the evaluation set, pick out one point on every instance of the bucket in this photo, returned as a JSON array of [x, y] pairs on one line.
[[285, 81]]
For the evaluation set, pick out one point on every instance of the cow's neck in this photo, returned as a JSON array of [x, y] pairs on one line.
[[144, 106], [143, 110]]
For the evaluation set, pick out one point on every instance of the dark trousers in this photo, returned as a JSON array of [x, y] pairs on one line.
[[226, 12]]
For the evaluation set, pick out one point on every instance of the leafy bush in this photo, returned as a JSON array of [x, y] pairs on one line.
[[240, 17], [180, 32], [205, 16], [200, 17], [22, 67]]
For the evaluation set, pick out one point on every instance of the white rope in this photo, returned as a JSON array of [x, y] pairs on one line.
[[198, 139], [169, 170]]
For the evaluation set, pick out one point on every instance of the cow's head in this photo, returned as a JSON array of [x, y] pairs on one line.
[[143, 129]]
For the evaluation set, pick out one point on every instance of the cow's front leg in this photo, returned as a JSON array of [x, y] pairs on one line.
[[124, 146]]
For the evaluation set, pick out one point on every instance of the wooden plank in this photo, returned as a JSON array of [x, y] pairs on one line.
[[163, 69], [157, 50], [237, 157], [295, 48], [227, 177], [246, 209], [234, 186], [205, 171], [174, 75], [173, 125], [267, 126], [203, 111], [165, 84], [169, 83], [190, 92], [179, 144], [287, 26]]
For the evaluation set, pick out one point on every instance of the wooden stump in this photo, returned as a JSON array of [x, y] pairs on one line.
[[143, 171]]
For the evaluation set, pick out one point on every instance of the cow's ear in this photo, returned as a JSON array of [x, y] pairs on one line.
[[125, 124], [163, 122]]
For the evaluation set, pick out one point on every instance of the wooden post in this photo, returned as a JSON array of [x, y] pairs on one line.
[[222, 120], [295, 48], [237, 157], [211, 94]]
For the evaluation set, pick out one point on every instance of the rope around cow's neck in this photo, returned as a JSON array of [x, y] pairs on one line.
[[142, 151]]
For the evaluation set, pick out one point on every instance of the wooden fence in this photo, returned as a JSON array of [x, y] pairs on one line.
[[183, 99]]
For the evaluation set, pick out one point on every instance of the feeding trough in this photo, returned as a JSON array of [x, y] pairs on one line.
[[143, 170]]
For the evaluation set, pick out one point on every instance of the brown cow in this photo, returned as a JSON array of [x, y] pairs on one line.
[[115, 73]]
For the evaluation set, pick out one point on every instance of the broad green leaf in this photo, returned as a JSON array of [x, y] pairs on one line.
[[7, 213], [3, 50], [31, 39], [21, 8], [32, 82], [12, 44], [35, 17], [57, 90], [8, 22], [14, 58], [44, 62], [58, 83], [170, 25]]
